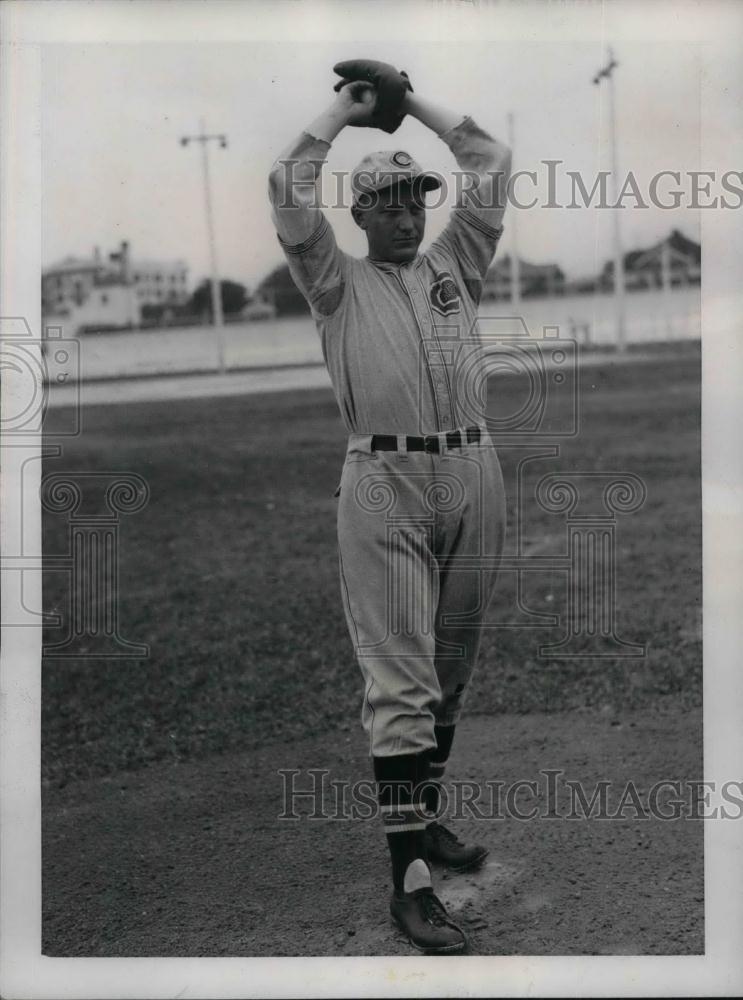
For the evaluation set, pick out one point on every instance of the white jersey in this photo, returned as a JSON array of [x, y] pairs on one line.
[[399, 340]]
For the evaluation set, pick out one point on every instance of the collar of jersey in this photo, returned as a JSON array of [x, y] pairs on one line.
[[389, 265]]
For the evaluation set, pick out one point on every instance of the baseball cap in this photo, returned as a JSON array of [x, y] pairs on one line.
[[381, 170]]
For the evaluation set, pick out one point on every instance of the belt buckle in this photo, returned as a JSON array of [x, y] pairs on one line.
[[430, 443]]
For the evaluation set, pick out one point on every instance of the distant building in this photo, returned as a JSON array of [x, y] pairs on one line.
[[69, 282], [675, 261], [582, 286], [160, 283], [96, 293], [535, 280]]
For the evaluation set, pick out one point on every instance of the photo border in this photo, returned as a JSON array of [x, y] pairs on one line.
[[25, 28]]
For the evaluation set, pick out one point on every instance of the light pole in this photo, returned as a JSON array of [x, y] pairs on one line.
[[217, 317], [607, 72]]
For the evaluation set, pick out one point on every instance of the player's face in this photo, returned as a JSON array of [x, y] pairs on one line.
[[395, 224]]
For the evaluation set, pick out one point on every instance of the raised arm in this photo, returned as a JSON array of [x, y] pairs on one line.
[[315, 262], [485, 161], [295, 174], [476, 222]]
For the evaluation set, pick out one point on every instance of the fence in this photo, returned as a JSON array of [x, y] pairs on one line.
[[276, 343]]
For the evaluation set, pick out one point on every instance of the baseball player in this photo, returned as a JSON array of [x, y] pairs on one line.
[[421, 508]]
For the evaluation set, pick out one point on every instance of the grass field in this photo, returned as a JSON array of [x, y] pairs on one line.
[[230, 574]]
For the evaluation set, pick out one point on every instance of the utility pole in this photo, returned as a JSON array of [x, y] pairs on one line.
[[515, 262], [217, 317], [608, 74], [665, 270]]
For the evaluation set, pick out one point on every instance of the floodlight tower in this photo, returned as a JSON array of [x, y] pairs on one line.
[[217, 316], [607, 73]]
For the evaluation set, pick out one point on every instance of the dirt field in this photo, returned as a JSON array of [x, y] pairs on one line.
[[160, 780], [192, 859]]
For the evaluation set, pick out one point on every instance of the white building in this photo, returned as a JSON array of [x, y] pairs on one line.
[[160, 283], [109, 305], [89, 293]]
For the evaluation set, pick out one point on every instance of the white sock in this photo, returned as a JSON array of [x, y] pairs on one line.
[[417, 876]]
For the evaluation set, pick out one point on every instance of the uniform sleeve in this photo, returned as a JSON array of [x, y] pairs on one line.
[[315, 262], [471, 236]]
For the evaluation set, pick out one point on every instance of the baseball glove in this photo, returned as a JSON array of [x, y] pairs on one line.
[[389, 84]]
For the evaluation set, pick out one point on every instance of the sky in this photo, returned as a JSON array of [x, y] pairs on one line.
[[113, 115]]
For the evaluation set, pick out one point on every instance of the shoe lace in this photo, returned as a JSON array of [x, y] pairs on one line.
[[433, 908]]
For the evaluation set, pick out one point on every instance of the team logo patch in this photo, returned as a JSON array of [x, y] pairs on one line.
[[445, 294], [401, 159]]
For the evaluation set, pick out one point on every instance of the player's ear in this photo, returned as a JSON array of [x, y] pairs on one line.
[[359, 216]]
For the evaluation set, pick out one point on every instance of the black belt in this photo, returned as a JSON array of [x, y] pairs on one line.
[[429, 443]]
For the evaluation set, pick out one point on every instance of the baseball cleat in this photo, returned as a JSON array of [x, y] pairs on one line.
[[422, 917], [447, 849]]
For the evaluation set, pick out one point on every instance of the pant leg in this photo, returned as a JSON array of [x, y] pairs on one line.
[[475, 529], [389, 588]]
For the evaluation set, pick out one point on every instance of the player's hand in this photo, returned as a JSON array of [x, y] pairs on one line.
[[390, 86], [356, 103]]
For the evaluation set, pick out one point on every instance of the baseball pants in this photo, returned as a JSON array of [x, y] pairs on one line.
[[419, 539]]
